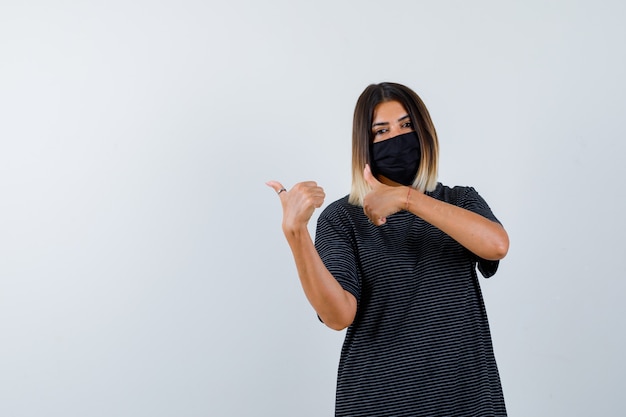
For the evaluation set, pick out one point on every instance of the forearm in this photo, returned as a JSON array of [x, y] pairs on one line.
[[335, 306], [483, 237]]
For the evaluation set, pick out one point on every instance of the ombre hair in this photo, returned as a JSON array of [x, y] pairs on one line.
[[362, 136]]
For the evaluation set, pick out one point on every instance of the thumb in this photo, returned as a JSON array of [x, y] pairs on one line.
[[277, 186], [369, 177]]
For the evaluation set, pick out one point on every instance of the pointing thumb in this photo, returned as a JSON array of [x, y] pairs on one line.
[[277, 186], [369, 177]]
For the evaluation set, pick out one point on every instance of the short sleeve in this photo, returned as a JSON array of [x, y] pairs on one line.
[[334, 242], [474, 202]]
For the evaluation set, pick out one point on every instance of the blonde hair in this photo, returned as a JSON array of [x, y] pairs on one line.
[[362, 136]]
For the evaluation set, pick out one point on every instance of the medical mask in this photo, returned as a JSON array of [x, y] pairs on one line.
[[397, 158]]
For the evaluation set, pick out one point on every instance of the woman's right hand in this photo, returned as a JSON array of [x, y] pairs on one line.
[[335, 306], [299, 203]]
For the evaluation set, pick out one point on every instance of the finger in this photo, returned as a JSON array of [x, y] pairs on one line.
[[379, 222], [369, 177], [313, 194], [319, 200], [277, 186]]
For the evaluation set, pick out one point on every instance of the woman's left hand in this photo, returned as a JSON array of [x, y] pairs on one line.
[[383, 200]]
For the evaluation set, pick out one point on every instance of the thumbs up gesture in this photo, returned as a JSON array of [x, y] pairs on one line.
[[299, 203], [383, 200]]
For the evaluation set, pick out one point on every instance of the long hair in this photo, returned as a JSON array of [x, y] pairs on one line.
[[362, 136]]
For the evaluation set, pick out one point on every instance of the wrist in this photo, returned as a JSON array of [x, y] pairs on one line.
[[295, 231], [407, 198]]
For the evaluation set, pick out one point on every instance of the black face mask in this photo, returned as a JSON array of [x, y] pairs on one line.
[[397, 158]]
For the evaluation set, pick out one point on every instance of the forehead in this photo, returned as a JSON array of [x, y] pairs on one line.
[[388, 111]]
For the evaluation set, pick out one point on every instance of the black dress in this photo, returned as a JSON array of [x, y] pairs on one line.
[[420, 344]]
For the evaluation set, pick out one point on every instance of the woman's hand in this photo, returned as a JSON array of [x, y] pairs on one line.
[[334, 305], [383, 200], [299, 203]]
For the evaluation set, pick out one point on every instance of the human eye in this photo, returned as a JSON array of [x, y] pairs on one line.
[[408, 125], [378, 132]]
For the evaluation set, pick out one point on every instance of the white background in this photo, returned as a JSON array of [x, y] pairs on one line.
[[143, 271]]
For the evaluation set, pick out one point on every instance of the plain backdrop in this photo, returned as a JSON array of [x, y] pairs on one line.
[[143, 271]]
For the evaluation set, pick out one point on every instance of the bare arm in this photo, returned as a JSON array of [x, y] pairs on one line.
[[335, 306], [483, 237]]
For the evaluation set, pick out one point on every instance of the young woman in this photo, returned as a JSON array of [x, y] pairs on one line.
[[395, 262]]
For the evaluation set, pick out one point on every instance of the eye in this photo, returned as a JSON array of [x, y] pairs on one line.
[[407, 125], [378, 132]]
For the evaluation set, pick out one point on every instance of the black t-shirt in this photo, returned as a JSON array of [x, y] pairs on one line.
[[420, 344]]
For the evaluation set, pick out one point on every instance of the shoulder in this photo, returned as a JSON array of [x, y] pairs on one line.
[[339, 207], [341, 212], [465, 197], [454, 195]]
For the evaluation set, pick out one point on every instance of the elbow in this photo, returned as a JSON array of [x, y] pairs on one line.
[[338, 326], [501, 251], [341, 316], [500, 246], [338, 323], [495, 246]]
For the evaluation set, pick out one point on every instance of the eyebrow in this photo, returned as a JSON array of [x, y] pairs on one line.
[[386, 123]]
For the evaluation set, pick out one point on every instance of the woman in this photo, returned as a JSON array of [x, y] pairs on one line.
[[395, 262]]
